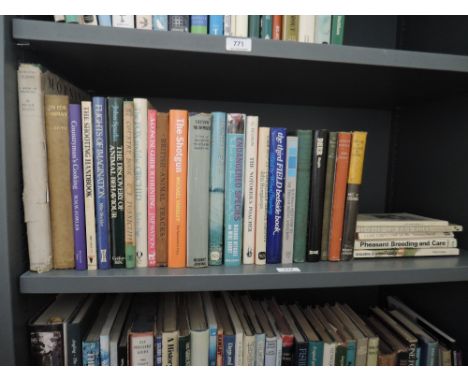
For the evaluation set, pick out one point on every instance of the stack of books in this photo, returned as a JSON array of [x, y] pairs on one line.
[[404, 235], [323, 29], [231, 329]]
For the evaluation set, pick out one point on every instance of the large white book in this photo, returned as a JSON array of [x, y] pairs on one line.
[[117, 331], [289, 201], [212, 326], [34, 160], [402, 219], [88, 183], [199, 331], [141, 181], [242, 26], [307, 28], [250, 187], [238, 330], [104, 335], [262, 194], [123, 21]]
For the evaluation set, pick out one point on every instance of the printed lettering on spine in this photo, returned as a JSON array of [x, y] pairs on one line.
[[152, 237], [276, 179], [162, 133]]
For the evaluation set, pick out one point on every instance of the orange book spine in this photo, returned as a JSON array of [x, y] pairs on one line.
[[277, 26], [177, 195], [339, 196]]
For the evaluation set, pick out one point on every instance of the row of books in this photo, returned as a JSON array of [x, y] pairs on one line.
[[232, 329], [303, 28], [131, 186], [404, 235]]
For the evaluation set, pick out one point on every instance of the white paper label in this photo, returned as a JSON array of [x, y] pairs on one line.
[[237, 44], [288, 270]]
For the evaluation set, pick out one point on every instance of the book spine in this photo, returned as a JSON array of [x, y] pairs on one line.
[[50, 337], [340, 355], [315, 354], [234, 187], [266, 26], [217, 168], [198, 186], [73, 19], [34, 162], [91, 355], [287, 350], [356, 164], [76, 175], [105, 20], [270, 351], [144, 22], [74, 353], [151, 192], [116, 189], [248, 351], [219, 347], [350, 353], [337, 30], [262, 194], [276, 179], [129, 184], [228, 25], [90, 20], [250, 182], [277, 27], [339, 196], [140, 109], [242, 25], [290, 27], [440, 242], [213, 332], [199, 24], [304, 156], [216, 25], [184, 351], [405, 252], [289, 201], [323, 29], [229, 350], [158, 349], [101, 182], [160, 23], [162, 136], [329, 185], [254, 26], [104, 350], [58, 155], [179, 23], [300, 354], [123, 21], [317, 191], [306, 31], [404, 236], [141, 347], [170, 347], [260, 349], [177, 195], [59, 18]]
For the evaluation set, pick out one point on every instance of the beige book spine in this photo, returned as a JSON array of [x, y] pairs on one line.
[[170, 346]]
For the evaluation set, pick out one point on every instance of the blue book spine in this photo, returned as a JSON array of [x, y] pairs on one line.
[[216, 25], [105, 21], [199, 24], [351, 353], [234, 184], [212, 346], [418, 356], [158, 348], [76, 177], [315, 353], [101, 182], [276, 178], [229, 350], [430, 353], [160, 23], [91, 356]]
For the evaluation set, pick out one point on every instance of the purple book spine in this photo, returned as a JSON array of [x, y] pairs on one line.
[[76, 177]]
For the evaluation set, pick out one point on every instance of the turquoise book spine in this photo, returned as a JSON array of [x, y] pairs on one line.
[[315, 353]]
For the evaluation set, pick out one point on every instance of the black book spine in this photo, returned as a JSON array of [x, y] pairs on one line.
[[116, 180], [179, 23], [317, 193], [402, 358], [74, 353], [300, 354]]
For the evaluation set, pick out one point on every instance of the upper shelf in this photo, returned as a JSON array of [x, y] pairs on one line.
[[130, 62]]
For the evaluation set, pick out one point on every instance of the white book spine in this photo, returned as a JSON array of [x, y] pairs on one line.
[[141, 350], [262, 194], [141, 168], [408, 228], [289, 201], [260, 349], [199, 343], [322, 29], [329, 351], [361, 351], [250, 184], [34, 160], [88, 183], [242, 26], [270, 351], [170, 346], [402, 235], [307, 28], [438, 242], [228, 25], [59, 18], [279, 350], [123, 21], [249, 351], [384, 253], [144, 22]]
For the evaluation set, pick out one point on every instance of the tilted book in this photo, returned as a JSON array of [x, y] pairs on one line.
[[198, 186], [306, 32], [216, 25], [151, 192], [300, 349], [162, 136], [160, 23], [179, 23], [118, 329], [237, 328], [170, 331], [123, 21], [104, 336], [199, 331], [212, 326], [278, 357], [228, 342], [199, 24], [249, 338], [144, 22], [185, 342], [323, 29], [260, 337], [266, 26], [337, 30], [329, 344], [269, 351]]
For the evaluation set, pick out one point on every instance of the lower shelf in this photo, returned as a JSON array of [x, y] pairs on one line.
[[310, 275]]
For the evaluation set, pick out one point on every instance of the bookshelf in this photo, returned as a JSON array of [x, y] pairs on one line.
[[413, 104]]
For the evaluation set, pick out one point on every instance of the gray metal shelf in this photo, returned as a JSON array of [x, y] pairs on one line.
[[311, 275]]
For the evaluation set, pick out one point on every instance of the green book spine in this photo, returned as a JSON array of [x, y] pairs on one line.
[[266, 26], [304, 157], [254, 26], [116, 180], [72, 19], [337, 32], [329, 183]]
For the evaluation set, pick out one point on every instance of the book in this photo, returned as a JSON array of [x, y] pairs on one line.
[[129, 184], [250, 185], [261, 201], [436, 242], [249, 338], [162, 149], [151, 190], [216, 25], [105, 20], [229, 25], [140, 126], [356, 164], [212, 322], [104, 335], [198, 186], [116, 180], [158, 325], [76, 175], [90, 20], [269, 350], [285, 332], [323, 29], [73, 19], [300, 356], [241, 25], [179, 23], [141, 334], [317, 195], [336, 337], [260, 336], [254, 26], [177, 189], [59, 18], [123, 21], [185, 345], [386, 357], [199, 24], [276, 180], [228, 342], [306, 31], [170, 331], [234, 188], [217, 168], [328, 196], [304, 157], [266, 27], [199, 331], [277, 27], [329, 345], [404, 252], [237, 329], [289, 201], [402, 219], [144, 22], [335, 233], [117, 329], [276, 332], [402, 235], [160, 23], [123, 354], [337, 30], [290, 28]]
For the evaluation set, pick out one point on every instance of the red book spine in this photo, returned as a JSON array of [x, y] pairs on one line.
[[151, 188], [277, 26]]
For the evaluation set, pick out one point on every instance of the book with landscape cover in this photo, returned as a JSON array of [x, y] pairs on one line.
[[216, 25], [160, 22], [199, 24], [162, 140], [151, 191], [266, 26]]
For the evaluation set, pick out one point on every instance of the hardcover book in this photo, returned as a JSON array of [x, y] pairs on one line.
[[266, 27], [229, 25], [73, 19], [123, 354], [323, 29], [241, 25], [105, 20], [237, 328], [151, 191], [160, 23], [290, 27], [228, 337], [185, 345], [435, 242], [104, 335], [260, 336], [141, 339], [199, 24], [254, 26], [337, 30], [306, 32], [144, 22], [269, 350], [216, 25], [300, 356], [329, 344], [170, 331], [162, 139], [179, 23], [212, 322], [277, 27], [123, 21], [279, 339], [90, 20], [338, 340], [199, 331], [118, 328], [404, 252], [249, 338], [285, 333]]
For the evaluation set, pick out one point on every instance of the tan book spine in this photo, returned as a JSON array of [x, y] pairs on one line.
[[162, 133], [58, 161]]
